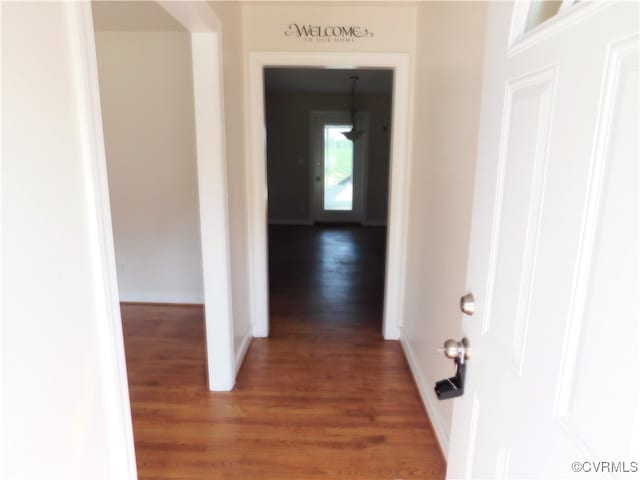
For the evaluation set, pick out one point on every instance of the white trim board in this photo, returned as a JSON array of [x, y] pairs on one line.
[[398, 185], [242, 351], [206, 50], [175, 298], [290, 221], [122, 460], [214, 222], [374, 223], [428, 397]]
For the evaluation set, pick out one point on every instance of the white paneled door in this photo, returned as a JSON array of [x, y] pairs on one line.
[[553, 383]]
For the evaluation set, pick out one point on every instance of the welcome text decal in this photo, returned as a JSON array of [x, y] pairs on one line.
[[328, 33]]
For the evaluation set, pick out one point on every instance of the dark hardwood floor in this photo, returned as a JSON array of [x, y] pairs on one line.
[[324, 397]]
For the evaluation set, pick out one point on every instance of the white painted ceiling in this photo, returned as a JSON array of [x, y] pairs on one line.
[[326, 80], [132, 16]]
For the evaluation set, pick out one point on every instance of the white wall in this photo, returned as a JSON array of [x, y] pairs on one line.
[[448, 83], [230, 16], [61, 417], [146, 89], [289, 149]]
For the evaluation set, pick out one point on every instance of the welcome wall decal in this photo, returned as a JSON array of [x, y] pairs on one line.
[[327, 33]]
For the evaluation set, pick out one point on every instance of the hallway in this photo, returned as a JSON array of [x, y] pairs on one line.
[[323, 397]]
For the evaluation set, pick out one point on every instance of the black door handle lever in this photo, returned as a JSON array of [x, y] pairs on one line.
[[454, 386]]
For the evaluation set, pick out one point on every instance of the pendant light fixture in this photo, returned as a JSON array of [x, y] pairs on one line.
[[354, 133]]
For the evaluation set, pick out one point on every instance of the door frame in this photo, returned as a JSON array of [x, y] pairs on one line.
[[398, 186], [319, 119], [206, 53]]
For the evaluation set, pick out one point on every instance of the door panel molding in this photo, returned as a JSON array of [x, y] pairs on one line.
[[580, 337], [616, 55], [543, 83]]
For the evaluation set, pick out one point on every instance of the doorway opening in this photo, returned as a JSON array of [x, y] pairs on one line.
[[147, 67], [327, 195], [306, 172], [159, 118], [338, 166], [338, 170]]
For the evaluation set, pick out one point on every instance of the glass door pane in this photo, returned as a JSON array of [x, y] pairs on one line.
[[338, 169]]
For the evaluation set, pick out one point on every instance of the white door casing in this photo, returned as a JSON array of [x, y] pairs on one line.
[[399, 171], [317, 123], [552, 386], [206, 54]]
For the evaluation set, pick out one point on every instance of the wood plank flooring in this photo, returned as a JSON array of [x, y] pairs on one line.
[[323, 398]]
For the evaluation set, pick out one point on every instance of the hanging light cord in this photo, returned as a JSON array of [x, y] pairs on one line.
[[354, 134], [354, 79]]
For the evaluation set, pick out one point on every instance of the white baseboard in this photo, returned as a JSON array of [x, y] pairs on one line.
[[428, 396], [242, 351], [192, 298], [306, 221], [290, 221], [374, 223]]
